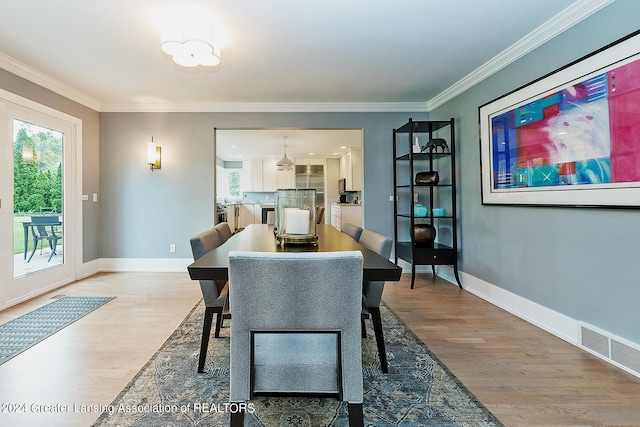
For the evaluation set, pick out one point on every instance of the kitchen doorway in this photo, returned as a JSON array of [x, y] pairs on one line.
[[319, 155]]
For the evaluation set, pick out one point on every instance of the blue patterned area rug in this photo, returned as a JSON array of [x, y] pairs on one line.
[[27, 330], [419, 390]]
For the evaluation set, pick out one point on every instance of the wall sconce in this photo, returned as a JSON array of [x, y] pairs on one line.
[[153, 155]]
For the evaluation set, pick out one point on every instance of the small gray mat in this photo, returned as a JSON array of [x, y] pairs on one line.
[[27, 330]]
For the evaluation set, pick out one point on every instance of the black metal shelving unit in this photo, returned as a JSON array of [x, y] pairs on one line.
[[409, 160]]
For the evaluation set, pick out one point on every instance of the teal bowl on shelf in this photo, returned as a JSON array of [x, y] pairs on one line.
[[419, 211], [439, 212]]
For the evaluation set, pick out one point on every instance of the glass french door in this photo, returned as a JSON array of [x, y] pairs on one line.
[[38, 217], [38, 192]]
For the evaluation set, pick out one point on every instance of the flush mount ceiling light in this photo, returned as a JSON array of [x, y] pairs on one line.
[[285, 163], [190, 43]]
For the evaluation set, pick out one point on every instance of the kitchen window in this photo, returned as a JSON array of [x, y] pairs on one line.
[[233, 183]]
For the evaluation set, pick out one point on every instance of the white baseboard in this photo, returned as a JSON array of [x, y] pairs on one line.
[[90, 268], [622, 353], [549, 320], [558, 324]]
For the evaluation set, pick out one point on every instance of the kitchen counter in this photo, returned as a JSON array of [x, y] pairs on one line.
[[342, 213]]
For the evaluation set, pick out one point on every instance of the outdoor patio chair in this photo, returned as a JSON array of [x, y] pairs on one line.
[[43, 229]]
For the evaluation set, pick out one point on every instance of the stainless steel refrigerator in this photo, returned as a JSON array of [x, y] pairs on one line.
[[311, 176]]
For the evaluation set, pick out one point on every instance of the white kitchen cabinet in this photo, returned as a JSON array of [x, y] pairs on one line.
[[256, 174], [345, 166], [233, 212], [335, 216], [245, 176], [345, 214], [309, 161], [257, 214], [351, 214], [269, 175], [356, 170], [247, 215], [272, 178], [285, 179], [351, 169]]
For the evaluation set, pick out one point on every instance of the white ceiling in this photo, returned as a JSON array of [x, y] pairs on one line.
[[244, 144], [277, 55], [106, 53]]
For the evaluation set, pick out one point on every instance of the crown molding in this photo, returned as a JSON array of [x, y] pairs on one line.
[[34, 76], [566, 19], [273, 107]]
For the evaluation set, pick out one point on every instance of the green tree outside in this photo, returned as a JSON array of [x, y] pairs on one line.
[[37, 171]]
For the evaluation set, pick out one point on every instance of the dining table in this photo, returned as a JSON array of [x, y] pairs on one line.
[[214, 265]]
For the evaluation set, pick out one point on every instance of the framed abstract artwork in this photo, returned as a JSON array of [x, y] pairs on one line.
[[570, 138]]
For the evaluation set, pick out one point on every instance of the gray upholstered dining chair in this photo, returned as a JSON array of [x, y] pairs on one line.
[[352, 230], [296, 326], [224, 230], [372, 291], [214, 292]]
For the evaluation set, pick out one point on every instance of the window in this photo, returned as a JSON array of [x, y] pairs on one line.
[[229, 183], [233, 183]]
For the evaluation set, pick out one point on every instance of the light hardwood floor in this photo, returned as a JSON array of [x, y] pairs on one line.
[[90, 361], [525, 376]]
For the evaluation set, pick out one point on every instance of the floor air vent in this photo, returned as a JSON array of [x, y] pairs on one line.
[[623, 354], [595, 341]]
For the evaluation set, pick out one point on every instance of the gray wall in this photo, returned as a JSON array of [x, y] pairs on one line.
[[143, 212], [582, 262], [90, 167]]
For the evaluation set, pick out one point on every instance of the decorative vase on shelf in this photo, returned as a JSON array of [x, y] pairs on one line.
[[416, 146], [427, 178], [424, 235]]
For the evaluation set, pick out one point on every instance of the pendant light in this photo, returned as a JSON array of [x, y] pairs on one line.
[[285, 163]]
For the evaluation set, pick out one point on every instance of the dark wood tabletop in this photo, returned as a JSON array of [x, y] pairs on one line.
[[214, 265]]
